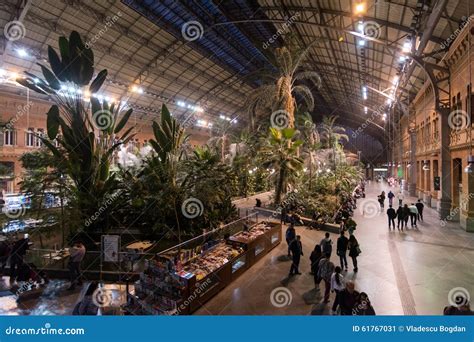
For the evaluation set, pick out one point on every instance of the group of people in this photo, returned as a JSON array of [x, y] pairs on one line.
[[13, 254], [324, 270], [414, 212]]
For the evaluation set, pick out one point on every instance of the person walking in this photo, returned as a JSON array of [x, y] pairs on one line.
[[413, 214], [4, 253], [400, 217], [348, 298], [391, 213], [400, 197], [362, 306], [354, 251], [326, 269], [18, 252], [290, 235], [297, 251], [315, 258], [337, 285], [77, 253], [420, 206], [406, 215], [326, 244], [341, 250], [390, 196]]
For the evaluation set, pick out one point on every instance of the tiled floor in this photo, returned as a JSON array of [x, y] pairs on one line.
[[403, 273]]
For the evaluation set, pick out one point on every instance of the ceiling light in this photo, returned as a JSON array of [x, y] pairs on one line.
[[359, 8], [199, 109], [3, 72], [395, 80], [14, 75], [362, 42], [403, 58], [22, 52], [406, 47], [181, 104]]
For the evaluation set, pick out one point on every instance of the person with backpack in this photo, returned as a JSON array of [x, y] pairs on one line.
[[354, 251], [420, 206], [297, 251], [400, 217], [391, 213], [341, 249], [315, 258], [290, 235], [326, 269], [337, 285], [326, 245]]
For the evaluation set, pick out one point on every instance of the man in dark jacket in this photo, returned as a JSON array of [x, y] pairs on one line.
[[341, 250], [400, 217], [406, 215], [420, 206], [297, 251], [391, 213], [290, 235], [348, 298]]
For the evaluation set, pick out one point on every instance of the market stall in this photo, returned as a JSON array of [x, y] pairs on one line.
[[180, 281]]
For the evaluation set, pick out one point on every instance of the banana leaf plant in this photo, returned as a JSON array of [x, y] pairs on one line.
[[87, 130]]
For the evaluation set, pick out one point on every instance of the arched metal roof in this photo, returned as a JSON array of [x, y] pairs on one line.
[[143, 42]]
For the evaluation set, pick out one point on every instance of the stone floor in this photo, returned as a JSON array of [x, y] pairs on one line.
[[413, 272]]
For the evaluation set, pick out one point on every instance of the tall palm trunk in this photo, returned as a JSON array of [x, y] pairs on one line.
[[280, 186]]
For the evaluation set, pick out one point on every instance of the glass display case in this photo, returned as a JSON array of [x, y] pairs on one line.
[[239, 263], [275, 237], [259, 248]]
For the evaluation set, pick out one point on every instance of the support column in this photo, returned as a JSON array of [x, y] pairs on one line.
[[412, 169], [444, 208], [467, 203]]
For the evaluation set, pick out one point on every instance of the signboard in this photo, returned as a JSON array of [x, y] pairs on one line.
[[110, 248], [437, 183]]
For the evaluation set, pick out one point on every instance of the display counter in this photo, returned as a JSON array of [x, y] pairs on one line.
[[181, 281]]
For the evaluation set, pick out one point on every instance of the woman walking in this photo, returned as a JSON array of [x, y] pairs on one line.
[[354, 251], [337, 285]]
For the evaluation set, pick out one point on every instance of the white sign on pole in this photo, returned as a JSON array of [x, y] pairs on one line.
[[110, 248]]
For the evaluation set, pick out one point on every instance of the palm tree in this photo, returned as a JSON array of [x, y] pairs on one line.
[[280, 88], [279, 153], [311, 140], [219, 138], [332, 134]]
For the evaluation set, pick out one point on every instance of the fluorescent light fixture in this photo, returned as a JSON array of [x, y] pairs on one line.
[[360, 27], [365, 110], [403, 58], [406, 47], [222, 117], [22, 52], [382, 169], [199, 109], [364, 95], [395, 80], [361, 42], [3, 72], [181, 104]]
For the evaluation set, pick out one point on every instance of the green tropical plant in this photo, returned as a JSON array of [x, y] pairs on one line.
[[85, 131], [332, 135], [282, 85], [279, 153]]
